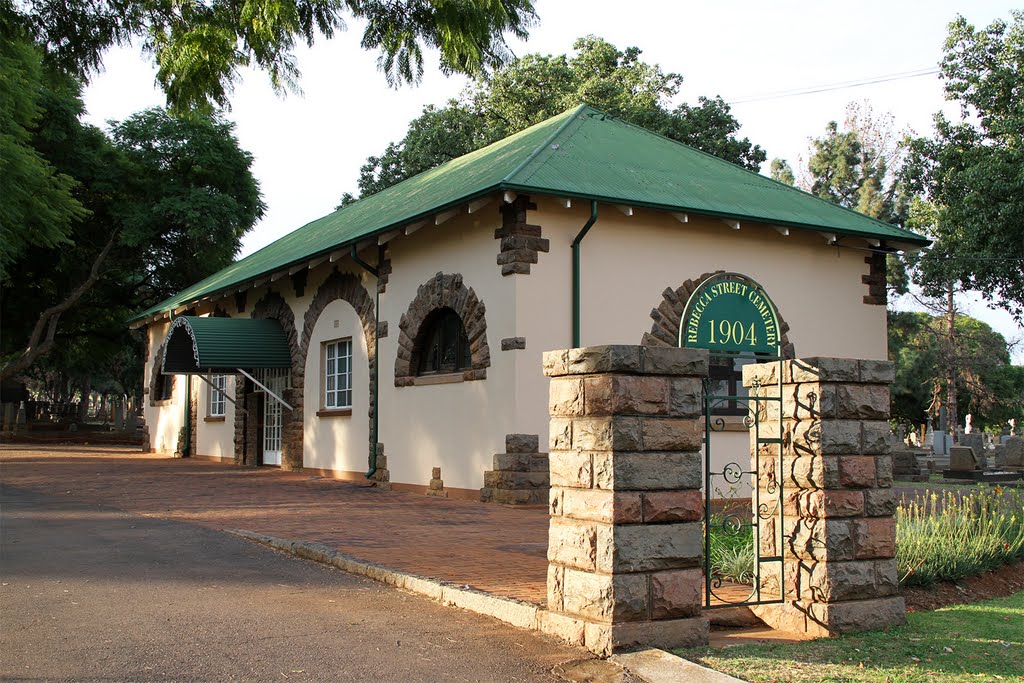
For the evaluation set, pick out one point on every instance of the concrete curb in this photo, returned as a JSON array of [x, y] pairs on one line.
[[658, 666], [509, 610], [653, 666]]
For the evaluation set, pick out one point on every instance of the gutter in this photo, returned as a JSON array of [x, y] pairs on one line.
[[374, 428], [576, 273]]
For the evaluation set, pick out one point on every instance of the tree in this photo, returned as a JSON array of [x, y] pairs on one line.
[[972, 171], [200, 48], [860, 166], [988, 387], [168, 201], [536, 87]]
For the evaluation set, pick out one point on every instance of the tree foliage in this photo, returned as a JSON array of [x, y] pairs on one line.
[[782, 171], [972, 171], [859, 165], [536, 87], [166, 202], [988, 386], [201, 46], [38, 204]]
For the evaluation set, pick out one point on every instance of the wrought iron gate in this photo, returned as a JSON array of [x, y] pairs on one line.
[[743, 563]]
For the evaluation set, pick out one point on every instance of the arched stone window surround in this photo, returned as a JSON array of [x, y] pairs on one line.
[[442, 291], [668, 314], [346, 287], [273, 306]]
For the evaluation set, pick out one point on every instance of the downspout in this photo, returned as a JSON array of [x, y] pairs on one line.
[[376, 353], [576, 273]]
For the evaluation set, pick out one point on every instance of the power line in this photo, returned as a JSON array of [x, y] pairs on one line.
[[810, 90]]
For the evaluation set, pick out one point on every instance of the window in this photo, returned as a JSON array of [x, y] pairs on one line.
[[215, 395], [443, 347], [164, 389], [337, 374], [727, 380]]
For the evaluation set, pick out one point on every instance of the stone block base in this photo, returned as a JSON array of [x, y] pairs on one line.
[[382, 477], [520, 476], [820, 620], [607, 639]]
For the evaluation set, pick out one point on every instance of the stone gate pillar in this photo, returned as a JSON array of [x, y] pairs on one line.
[[624, 541], [838, 535]]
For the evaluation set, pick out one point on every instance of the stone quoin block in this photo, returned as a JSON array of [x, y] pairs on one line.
[[648, 547]]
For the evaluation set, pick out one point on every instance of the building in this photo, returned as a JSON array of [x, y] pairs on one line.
[[580, 230]]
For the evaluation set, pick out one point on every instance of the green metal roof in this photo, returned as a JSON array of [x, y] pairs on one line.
[[201, 345], [580, 153]]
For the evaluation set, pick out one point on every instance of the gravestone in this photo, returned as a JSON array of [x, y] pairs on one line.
[[963, 459], [905, 466], [975, 441], [118, 410], [999, 456], [1014, 451]]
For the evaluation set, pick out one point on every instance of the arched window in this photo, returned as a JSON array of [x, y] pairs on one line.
[[443, 345]]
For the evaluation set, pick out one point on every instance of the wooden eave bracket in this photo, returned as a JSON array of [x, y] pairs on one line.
[[445, 216], [477, 204]]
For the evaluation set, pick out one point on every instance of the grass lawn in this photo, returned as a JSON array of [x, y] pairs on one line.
[[979, 642]]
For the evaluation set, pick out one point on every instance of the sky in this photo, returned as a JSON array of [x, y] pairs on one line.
[[308, 147]]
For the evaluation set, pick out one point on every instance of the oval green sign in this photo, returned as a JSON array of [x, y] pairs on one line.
[[730, 312]]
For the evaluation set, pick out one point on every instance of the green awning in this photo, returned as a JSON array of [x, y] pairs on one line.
[[197, 345]]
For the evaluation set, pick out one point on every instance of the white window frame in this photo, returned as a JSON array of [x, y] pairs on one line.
[[216, 404], [336, 374]]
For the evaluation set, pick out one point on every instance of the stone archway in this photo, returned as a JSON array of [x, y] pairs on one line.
[[443, 291], [347, 287], [273, 306], [665, 330]]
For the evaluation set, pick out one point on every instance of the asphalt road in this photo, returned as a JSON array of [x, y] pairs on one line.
[[92, 593]]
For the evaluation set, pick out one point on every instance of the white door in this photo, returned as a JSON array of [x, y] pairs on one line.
[[272, 413]]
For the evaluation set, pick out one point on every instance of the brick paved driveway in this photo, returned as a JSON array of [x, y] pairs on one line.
[[492, 548]]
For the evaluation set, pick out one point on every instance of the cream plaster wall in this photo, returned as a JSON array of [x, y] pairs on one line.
[[163, 421], [457, 427], [336, 442], [215, 438]]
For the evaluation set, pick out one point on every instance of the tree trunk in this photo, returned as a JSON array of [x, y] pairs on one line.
[[951, 363], [41, 341], [83, 406]]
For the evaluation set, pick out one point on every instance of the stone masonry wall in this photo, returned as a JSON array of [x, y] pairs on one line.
[[520, 475], [624, 542], [838, 531]]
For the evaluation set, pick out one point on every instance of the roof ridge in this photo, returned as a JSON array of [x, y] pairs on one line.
[[546, 145], [757, 174]]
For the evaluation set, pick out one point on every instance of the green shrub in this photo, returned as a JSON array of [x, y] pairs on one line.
[[953, 535], [732, 552]]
